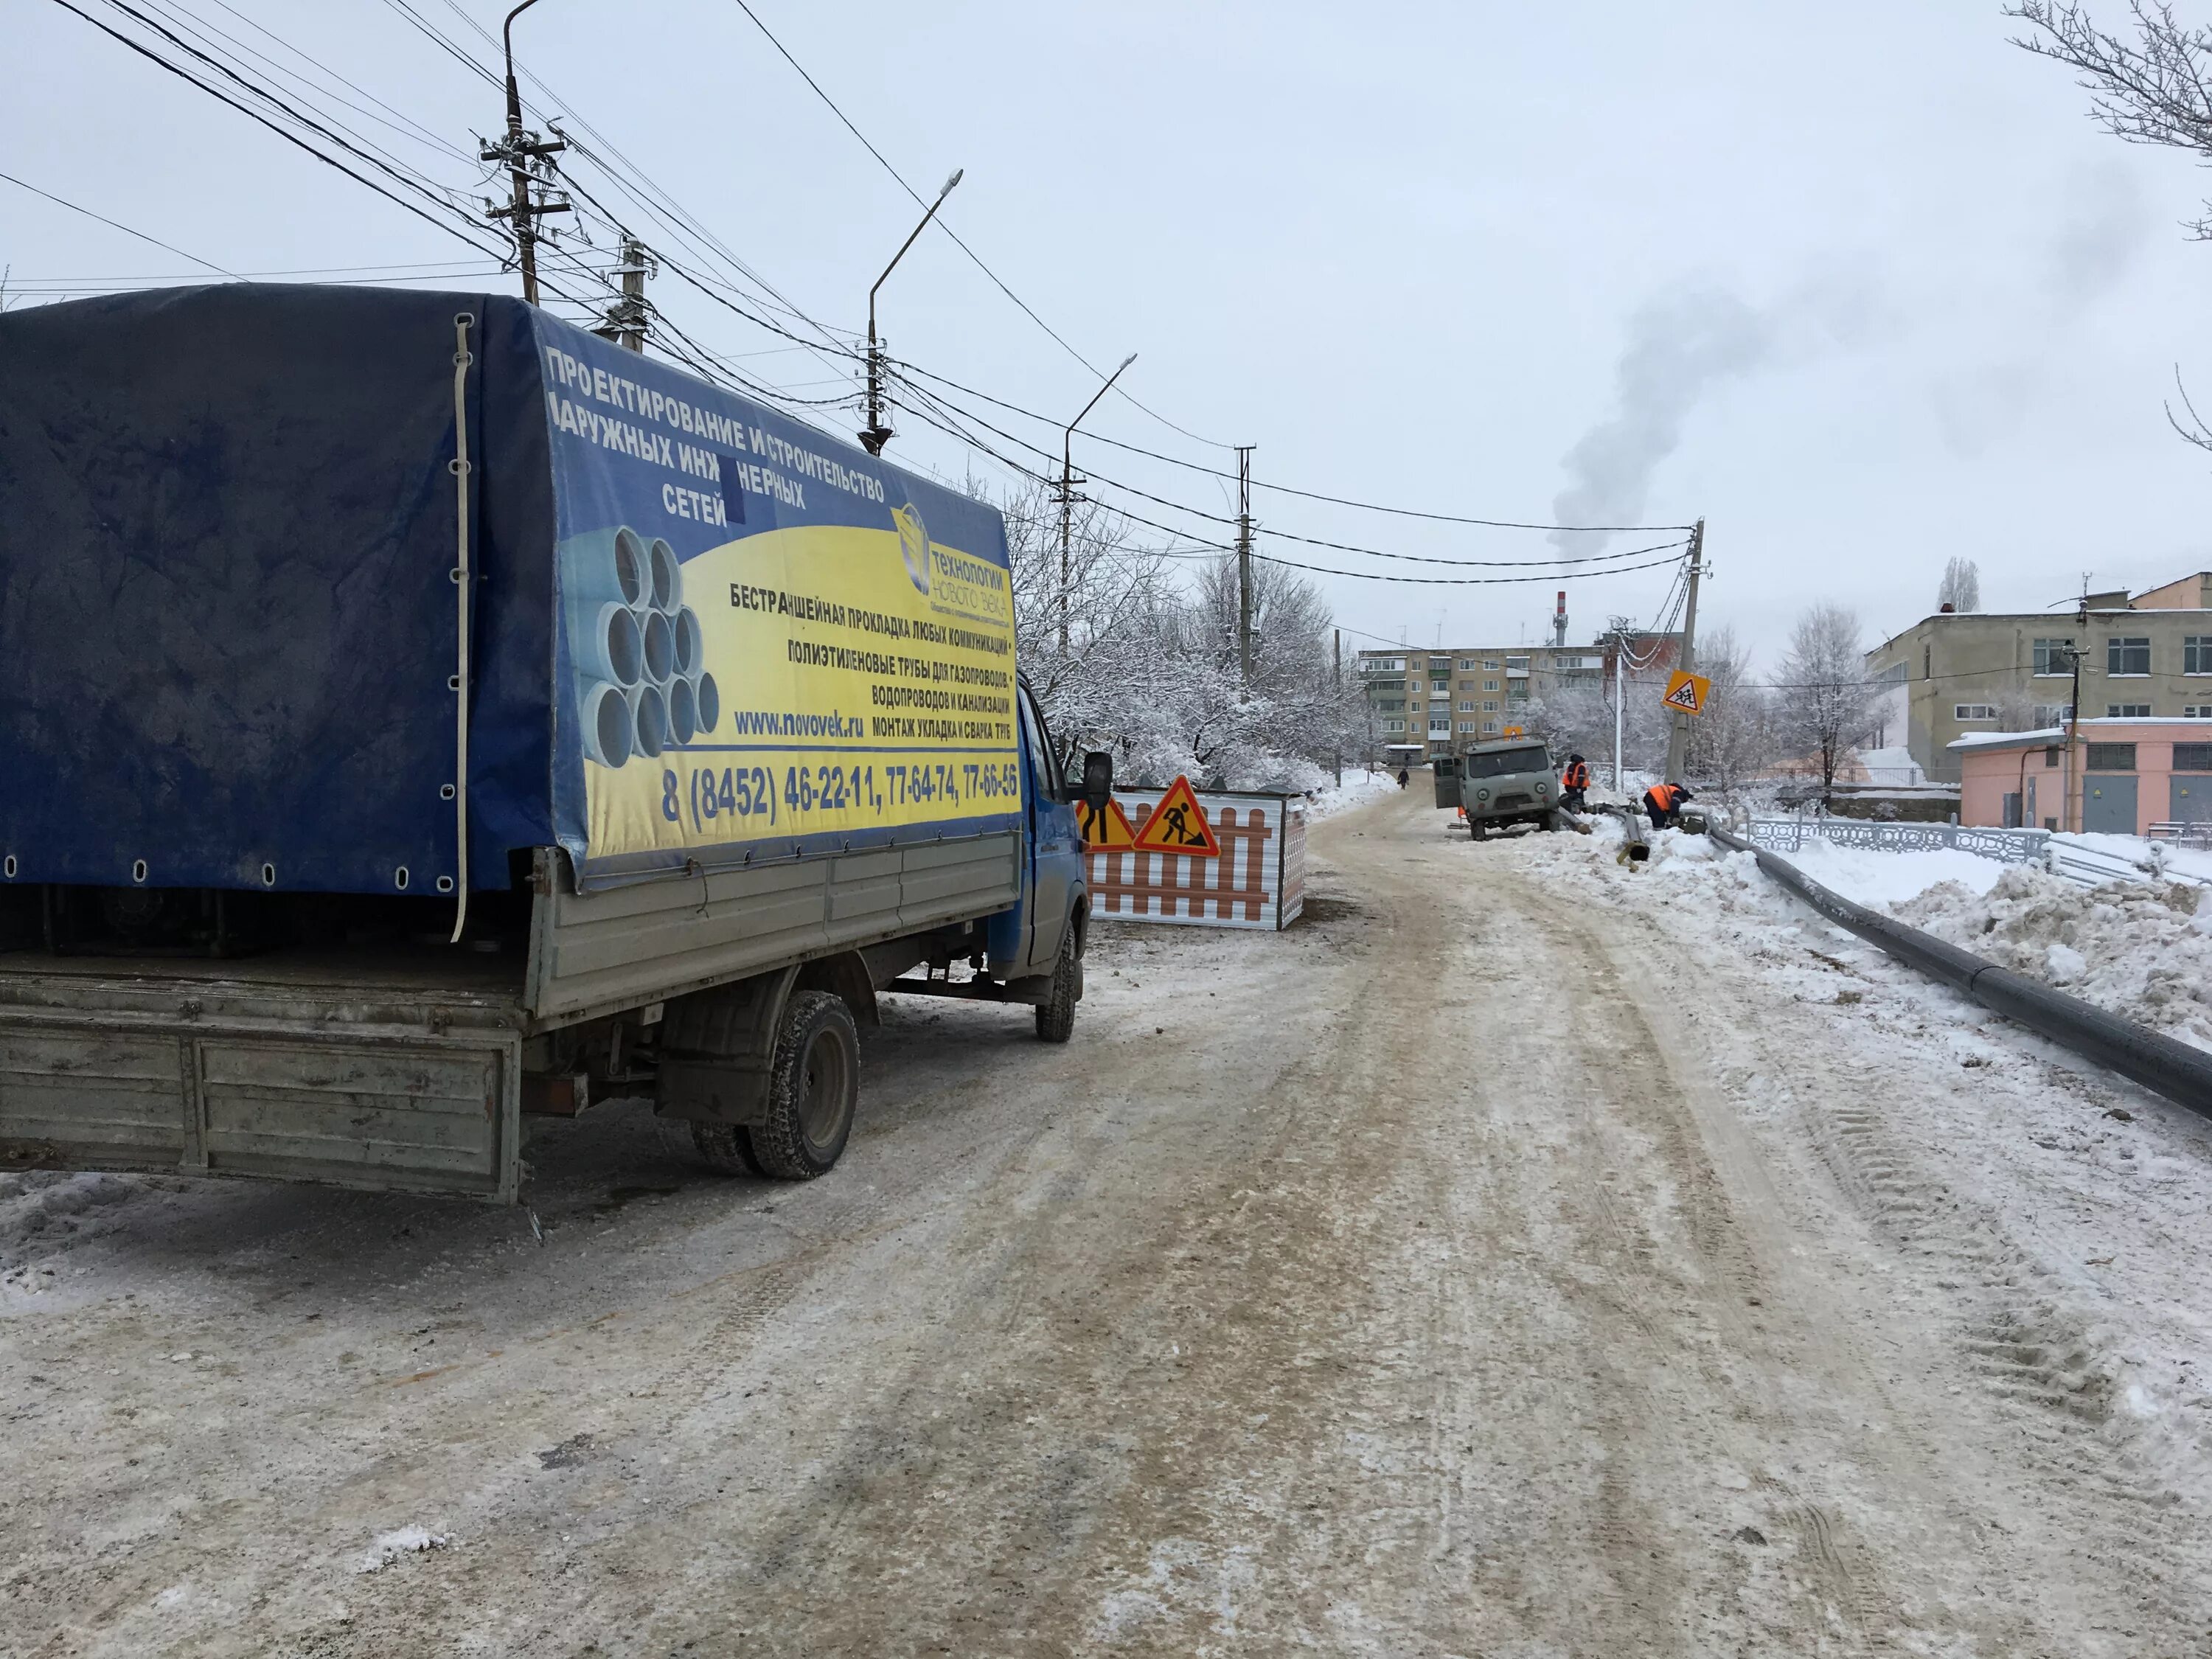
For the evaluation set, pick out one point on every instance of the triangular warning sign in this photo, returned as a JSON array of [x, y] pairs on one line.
[[1104, 831], [1686, 692], [1178, 825]]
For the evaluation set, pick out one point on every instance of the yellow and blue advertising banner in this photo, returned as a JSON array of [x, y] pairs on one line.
[[766, 643]]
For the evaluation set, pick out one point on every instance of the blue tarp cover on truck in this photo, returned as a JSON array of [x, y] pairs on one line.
[[701, 634]]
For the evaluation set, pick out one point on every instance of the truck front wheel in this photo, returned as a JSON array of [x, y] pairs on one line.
[[1055, 1015], [813, 1088]]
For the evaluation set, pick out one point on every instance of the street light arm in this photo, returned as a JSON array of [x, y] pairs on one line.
[[514, 94], [959, 174], [1100, 392]]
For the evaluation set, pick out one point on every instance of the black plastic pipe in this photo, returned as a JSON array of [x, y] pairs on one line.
[[2176, 1070]]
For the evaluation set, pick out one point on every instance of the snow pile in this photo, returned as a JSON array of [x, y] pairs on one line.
[[1893, 767], [1872, 877], [407, 1540], [1357, 788], [2139, 950], [38, 1202], [2138, 850]]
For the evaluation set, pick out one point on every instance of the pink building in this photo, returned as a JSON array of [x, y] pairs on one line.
[[2124, 775]]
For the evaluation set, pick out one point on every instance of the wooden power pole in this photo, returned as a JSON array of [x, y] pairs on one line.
[[1244, 564], [1678, 740]]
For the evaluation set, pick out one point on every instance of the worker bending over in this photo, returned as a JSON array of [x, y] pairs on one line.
[[1572, 782], [1664, 802]]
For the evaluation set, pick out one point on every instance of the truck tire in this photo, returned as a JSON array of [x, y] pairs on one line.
[[724, 1148], [1478, 831], [813, 1088], [1055, 1015]]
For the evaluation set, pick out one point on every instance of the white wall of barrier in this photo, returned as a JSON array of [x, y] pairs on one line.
[[1259, 881]]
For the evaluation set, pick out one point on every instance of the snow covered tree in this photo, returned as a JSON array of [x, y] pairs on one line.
[[1125, 658], [1825, 700], [1733, 741], [1096, 685], [1961, 587]]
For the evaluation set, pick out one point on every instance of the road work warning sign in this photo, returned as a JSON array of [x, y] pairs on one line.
[[1107, 831], [1178, 824], [1687, 691]]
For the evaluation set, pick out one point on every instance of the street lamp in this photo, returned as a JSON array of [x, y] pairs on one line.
[[518, 152], [876, 434], [1067, 490]]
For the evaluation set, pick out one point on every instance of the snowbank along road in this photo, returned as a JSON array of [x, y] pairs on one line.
[[1522, 1256]]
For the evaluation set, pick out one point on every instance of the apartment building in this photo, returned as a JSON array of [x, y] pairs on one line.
[[1953, 675], [1445, 697]]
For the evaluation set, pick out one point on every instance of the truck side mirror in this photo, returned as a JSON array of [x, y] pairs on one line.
[[1097, 780]]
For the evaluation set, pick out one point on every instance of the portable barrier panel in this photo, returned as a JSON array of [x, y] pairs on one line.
[[1259, 880]]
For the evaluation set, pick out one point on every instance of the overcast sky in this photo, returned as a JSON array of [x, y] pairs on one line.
[[1859, 284]]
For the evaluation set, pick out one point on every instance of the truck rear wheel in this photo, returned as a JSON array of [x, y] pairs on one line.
[[813, 1088], [1055, 1016], [724, 1148]]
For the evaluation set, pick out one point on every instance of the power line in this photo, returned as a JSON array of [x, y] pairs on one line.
[[1553, 562], [1287, 489], [977, 258], [290, 137], [165, 247], [422, 268]]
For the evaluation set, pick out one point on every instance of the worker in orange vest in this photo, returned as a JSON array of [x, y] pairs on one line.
[[1664, 802], [1572, 782]]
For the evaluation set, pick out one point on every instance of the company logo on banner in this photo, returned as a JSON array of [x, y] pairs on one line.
[[766, 642]]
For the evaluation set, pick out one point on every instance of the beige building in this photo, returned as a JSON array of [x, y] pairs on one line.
[[1953, 675], [1444, 698]]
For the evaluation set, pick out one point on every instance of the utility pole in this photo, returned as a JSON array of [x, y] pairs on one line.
[[1678, 741], [876, 434], [1337, 635], [525, 153], [1065, 494], [1620, 697], [1244, 564], [626, 319], [2074, 712]]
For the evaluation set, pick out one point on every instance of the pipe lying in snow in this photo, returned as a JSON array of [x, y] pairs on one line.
[[608, 723], [606, 641], [2179, 1072], [691, 644], [708, 699], [665, 577], [648, 714]]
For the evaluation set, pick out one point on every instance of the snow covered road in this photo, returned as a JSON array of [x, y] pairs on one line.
[[1523, 1256]]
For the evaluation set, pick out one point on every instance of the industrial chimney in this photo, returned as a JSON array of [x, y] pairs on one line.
[[1559, 621]]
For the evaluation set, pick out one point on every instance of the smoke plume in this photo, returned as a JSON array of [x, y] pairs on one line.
[[1680, 344]]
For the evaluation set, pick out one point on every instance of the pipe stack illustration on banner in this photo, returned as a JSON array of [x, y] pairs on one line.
[[643, 679]]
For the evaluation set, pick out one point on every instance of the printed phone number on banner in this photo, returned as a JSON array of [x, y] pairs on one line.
[[776, 795]]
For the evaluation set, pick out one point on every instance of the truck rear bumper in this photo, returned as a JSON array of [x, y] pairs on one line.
[[354, 1085]]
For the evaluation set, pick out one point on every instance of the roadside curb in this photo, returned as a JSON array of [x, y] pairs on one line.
[[2181, 1074]]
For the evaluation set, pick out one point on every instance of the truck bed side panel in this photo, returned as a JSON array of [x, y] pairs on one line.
[[604, 952]]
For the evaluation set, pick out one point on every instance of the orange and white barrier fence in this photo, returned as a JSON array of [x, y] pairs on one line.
[[1223, 859]]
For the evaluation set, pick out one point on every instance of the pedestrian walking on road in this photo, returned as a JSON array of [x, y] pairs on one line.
[[1664, 802], [1403, 777], [1572, 783]]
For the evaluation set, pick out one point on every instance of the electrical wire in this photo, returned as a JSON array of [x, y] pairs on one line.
[[1553, 562], [391, 166], [115, 224], [974, 257], [1287, 489], [290, 137]]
